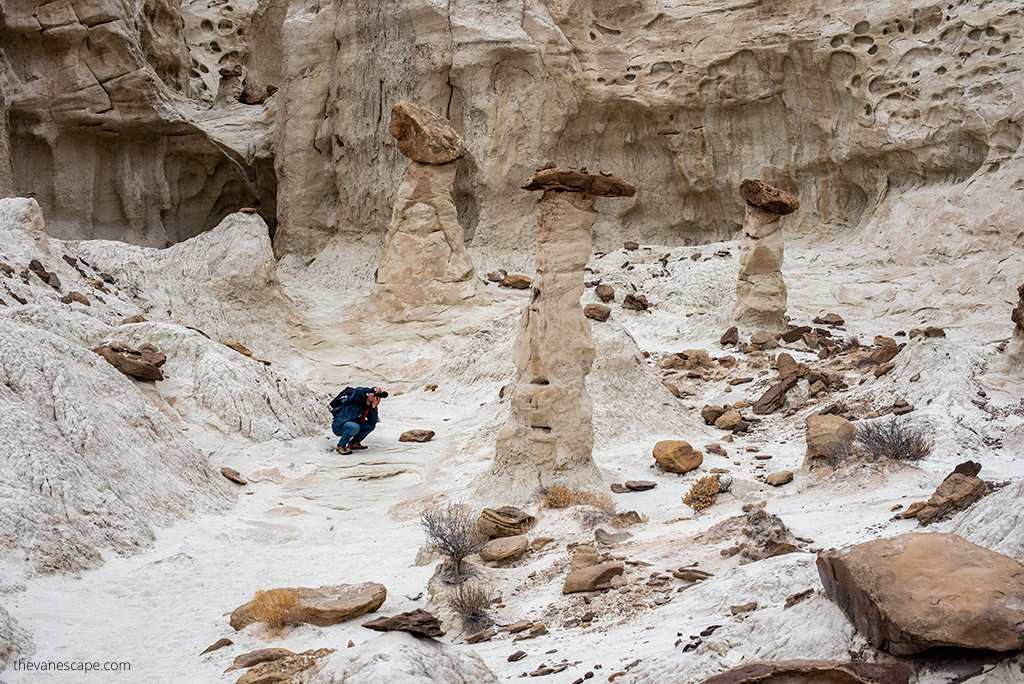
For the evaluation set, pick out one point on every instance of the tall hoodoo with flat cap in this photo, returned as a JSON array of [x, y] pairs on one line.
[[549, 435], [760, 289]]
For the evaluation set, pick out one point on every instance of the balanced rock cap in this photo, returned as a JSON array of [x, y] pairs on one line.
[[424, 136], [602, 184], [760, 194]]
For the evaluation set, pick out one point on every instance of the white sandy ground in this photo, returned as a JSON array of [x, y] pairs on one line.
[[310, 517]]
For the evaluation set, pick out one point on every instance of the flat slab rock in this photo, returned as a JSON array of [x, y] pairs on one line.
[[327, 605], [918, 591], [814, 672], [504, 548], [417, 622], [593, 577], [416, 436], [571, 179], [132, 362]]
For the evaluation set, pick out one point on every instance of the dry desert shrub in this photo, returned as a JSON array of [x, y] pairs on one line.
[[472, 604], [560, 496], [702, 494], [279, 608], [892, 440], [455, 533]]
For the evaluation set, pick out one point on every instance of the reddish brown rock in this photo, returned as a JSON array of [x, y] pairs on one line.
[[711, 413], [814, 672], [605, 293], [677, 456], [760, 194], [151, 354], [233, 475], [602, 184], [597, 312], [636, 302], [730, 336], [773, 399], [516, 281], [728, 420], [1017, 315], [47, 277], [958, 491], [794, 334], [832, 319], [424, 136], [886, 351], [823, 433], [129, 361], [262, 655], [416, 436], [417, 622], [913, 592]]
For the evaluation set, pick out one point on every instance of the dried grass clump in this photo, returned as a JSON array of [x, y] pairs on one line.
[[472, 604], [560, 496], [279, 608], [455, 533], [703, 492]]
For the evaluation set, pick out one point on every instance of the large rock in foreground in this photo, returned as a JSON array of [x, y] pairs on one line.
[[918, 591], [325, 605], [677, 456], [814, 672]]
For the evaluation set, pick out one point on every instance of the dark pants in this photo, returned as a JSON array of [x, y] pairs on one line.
[[351, 431]]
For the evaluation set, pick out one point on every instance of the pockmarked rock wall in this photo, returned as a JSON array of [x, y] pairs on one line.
[[116, 119]]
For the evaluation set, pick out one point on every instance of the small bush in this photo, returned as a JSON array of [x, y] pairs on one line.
[[279, 608], [560, 496], [454, 533], [894, 440], [703, 492], [472, 604], [891, 440]]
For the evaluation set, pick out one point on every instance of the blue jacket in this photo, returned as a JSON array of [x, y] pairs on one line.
[[355, 407]]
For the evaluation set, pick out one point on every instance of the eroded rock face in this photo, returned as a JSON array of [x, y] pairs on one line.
[[912, 592], [424, 136], [760, 289], [424, 262], [549, 435]]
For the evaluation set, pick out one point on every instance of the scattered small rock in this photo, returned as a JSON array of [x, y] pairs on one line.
[[730, 337], [518, 655], [592, 578], [517, 281], [677, 456], [504, 549], [219, 643], [743, 608], [605, 293], [597, 312], [780, 478], [832, 319], [630, 245], [796, 598], [233, 475], [640, 485], [636, 302]]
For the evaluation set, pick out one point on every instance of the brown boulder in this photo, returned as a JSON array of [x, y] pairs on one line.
[[598, 312], [814, 672], [677, 456], [760, 194], [773, 399], [325, 605], [262, 655], [711, 413], [830, 319], [507, 521], [640, 485], [794, 334], [504, 548], [282, 670], [730, 336], [602, 184], [48, 277], [592, 578], [780, 478], [954, 494], [787, 366], [416, 436], [417, 622], [424, 136], [913, 592], [763, 339], [728, 420], [636, 302], [605, 293], [516, 281], [129, 361], [822, 434], [886, 351]]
